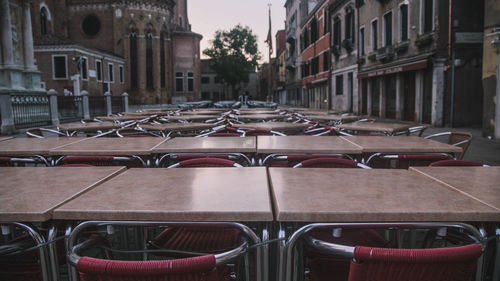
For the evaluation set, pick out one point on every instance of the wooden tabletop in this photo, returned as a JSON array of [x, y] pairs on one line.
[[110, 146], [88, 127], [274, 126], [30, 194], [208, 145], [480, 183], [315, 112], [183, 194], [5, 138], [33, 146], [333, 117], [401, 144], [384, 127], [200, 112], [124, 117], [176, 126], [251, 112], [305, 144], [191, 117], [144, 114], [378, 195], [261, 116]]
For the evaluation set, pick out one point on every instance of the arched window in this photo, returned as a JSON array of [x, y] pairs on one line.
[[43, 20], [133, 61], [149, 61]]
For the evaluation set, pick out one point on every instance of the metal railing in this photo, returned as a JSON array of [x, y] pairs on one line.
[[97, 106], [117, 104], [70, 108], [30, 110]]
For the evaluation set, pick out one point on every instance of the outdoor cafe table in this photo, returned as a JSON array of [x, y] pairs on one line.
[[265, 117], [5, 138], [208, 145], [305, 144], [401, 144], [249, 112], [88, 127], [273, 126], [110, 147], [33, 146], [479, 183], [332, 118], [190, 117], [388, 128], [201, 112], [378, 195], [182, 127], [124, 118]]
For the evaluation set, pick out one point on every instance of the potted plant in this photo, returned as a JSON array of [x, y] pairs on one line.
[[424, 40]]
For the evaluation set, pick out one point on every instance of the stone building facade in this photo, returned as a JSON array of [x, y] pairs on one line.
[[293, 83], [114, 46]]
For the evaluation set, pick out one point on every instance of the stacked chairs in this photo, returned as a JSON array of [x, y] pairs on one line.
[[171, 159], [91, 160], [403, 161], [355, 253]]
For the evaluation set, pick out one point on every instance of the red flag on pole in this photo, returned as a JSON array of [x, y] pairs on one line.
[[269, 39]]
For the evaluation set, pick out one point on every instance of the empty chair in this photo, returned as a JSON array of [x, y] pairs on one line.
[[205, 162], [132, 161], [262, 132], [330, 163], [169, 159], [451, 163], [22, 161], [461, 139], [403, 161], [224, 135], [38, 133]]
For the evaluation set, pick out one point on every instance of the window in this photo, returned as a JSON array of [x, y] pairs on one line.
[[60, 66], [306, 37], [326, 61], [388, 29], [179, 81], [427, 15], [339, 85], [403, 22], [362, 41], [162, 61], [314, 30], [111, 73], [133, 61], [149, 61], [190, 81], [336, 32], [98, 70], [205, 95], [315, 65], [325, 21], [374, 37], [216, 80], [349, 24], [91, 25], [83, 66], [205, 80], [122, 76], [43, 20]]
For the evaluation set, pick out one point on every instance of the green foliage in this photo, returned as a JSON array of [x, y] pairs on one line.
[[233, 54]]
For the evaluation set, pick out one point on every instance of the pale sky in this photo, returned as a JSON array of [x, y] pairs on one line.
[[207, 16]]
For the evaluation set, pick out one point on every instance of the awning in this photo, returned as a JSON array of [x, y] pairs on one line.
[[393, 69]]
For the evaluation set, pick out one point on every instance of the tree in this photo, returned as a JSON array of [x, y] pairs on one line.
[[233, 55]]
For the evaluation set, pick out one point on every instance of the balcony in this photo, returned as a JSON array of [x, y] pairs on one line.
[[386, 53], [290, 63], [291, 35]]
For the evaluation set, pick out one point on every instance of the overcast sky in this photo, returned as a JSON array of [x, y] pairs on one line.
[[207, 16]]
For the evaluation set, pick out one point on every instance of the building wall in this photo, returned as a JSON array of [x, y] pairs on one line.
[[187, 59], [491, 65], [293, 60]]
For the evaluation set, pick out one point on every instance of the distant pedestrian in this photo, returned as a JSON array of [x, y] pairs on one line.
[[67, 93]]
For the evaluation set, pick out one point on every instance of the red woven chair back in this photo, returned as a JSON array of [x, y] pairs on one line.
[[258, 132], [329, 162], [456, 137], [324, 267], [202, 239], [224, 135], [454, 163], [446, 264], [206, 162], [76, 165], [292, 160], [406, 160], [192, 269], [183, 157]]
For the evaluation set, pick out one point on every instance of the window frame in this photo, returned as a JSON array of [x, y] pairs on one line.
[[98, 70], [361, 41], [384, 29], [400, 22], [373, 40], [65, 64], [422, 17], [352, 11], [86, 68], [111, 73], [182, 79], [190, 79], [337, 92], [121, 74]]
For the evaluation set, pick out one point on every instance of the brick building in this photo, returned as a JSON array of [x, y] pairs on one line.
[[117, 46]]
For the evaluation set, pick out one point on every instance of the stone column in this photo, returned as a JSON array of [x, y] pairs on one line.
[[382, 95], [7, 48], [399, 96], [54, 111], [438, 92], [141, 67], [369, 92], [85, 104], [76, 84], [7, 115], [125, 102], [29, 55], [107, 97], [419, 95]]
